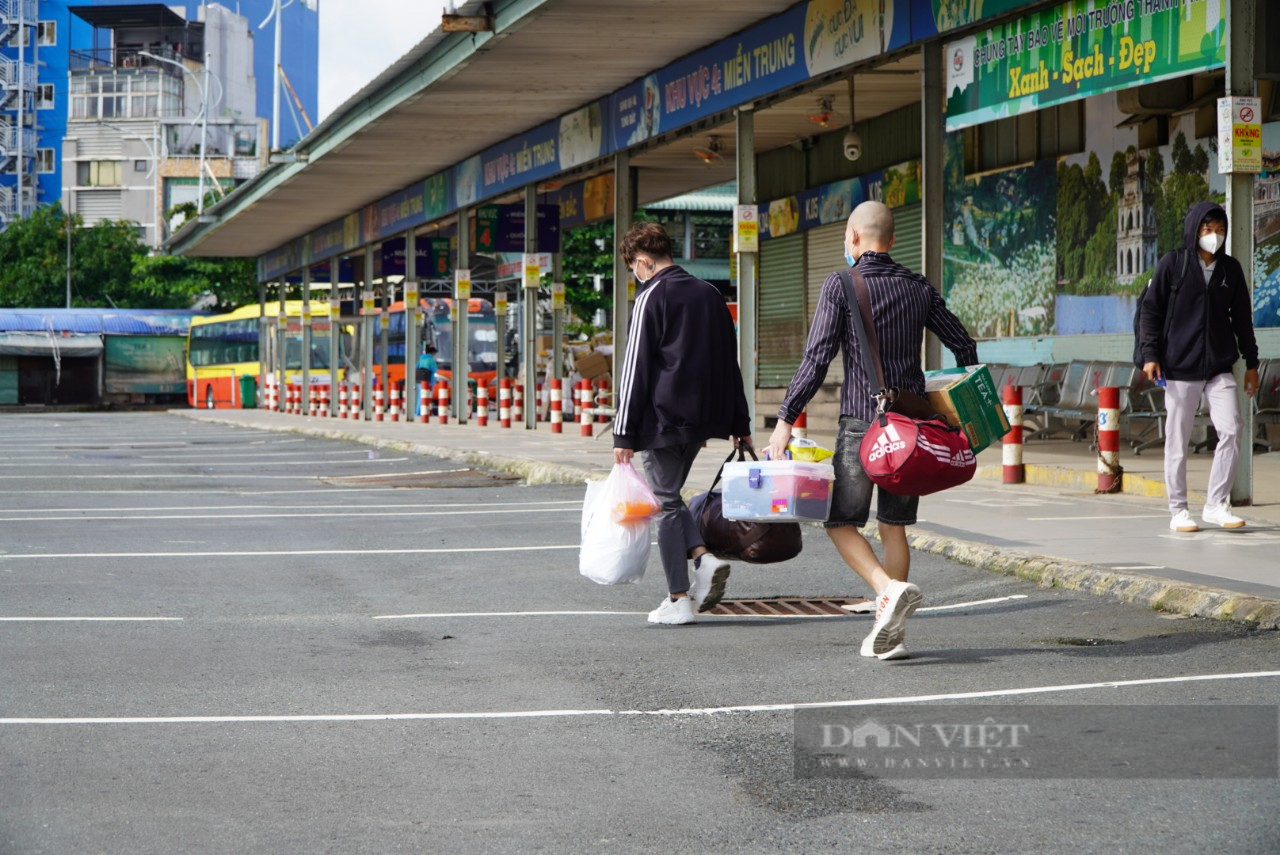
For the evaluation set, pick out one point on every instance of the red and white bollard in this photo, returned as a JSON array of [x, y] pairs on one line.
[[394, 412], [378, 410], [326, 409], [517, 403], [1110, 473], [557, 406], [271, 395], [584, 409], [504, 402], [442, 402], [342, 401], [291, 399], [313, 402], [424, 403], [482, 405], [801, 428], [1011, 445]]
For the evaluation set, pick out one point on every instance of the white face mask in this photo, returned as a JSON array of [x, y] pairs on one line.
[[1211, 242]]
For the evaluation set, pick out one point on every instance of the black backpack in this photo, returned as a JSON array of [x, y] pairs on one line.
[[1138, 361]]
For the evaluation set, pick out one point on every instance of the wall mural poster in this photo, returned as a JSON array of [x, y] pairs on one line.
[[998, 246], [1063, 247], [1266, 217]]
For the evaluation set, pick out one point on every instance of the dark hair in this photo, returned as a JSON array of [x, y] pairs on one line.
[[648, 237], [1214, 216]]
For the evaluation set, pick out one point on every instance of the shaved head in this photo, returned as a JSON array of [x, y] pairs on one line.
[[873, 222]]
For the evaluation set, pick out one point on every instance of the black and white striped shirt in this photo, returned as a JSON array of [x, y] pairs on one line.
[[903, 305]]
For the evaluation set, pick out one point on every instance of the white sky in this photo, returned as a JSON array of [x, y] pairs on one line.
[[360, 38]]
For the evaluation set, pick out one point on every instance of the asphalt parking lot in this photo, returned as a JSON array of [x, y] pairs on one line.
[[217, 639]]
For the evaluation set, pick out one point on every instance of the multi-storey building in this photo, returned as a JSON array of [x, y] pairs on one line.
[[100, 101]]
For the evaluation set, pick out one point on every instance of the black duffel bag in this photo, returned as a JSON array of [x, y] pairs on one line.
[[743, 540]]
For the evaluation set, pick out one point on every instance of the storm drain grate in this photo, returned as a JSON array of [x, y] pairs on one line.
[[785, 607]]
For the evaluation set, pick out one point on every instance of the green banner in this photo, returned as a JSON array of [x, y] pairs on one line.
[[1078, 49], [145, 364]]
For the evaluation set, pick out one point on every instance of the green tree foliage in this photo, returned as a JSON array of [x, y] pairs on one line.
[[588, 251], [1119, 169], [1183, 160], [109, 268], [1073, 221]]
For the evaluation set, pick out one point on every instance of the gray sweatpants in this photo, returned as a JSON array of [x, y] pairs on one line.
[[1181, 398], [666, 470]]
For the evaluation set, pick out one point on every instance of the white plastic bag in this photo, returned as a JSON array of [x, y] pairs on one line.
[[615, 553]]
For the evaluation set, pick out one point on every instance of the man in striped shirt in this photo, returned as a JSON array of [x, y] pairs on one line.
[[903, 306]]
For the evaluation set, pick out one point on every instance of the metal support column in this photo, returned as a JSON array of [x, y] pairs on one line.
[[306, 340], [282, 348], [462, 323], [384, 336], [557, 317], [1241, 17], [624, 208], [931, 123], [335, 340], [409, 397], [263, 338], [747, 287], [530, 342], [368, 328]]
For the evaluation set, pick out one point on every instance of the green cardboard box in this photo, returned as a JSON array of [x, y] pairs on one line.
[[969, 399]]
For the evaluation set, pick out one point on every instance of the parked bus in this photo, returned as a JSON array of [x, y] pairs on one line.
[[482, 340], [223, 349]]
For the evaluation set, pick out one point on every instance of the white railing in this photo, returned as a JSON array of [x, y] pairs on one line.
[[10, 139], [9, 74], [12, 10]]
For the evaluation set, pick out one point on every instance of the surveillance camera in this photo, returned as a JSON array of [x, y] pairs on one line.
[[852, 145]]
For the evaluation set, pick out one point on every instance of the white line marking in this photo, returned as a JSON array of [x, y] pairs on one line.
[[354, 512], [329, 507], [687, 711], [632, 614], [500, 614], [264, 552], [1099, 517], [201, 461], [1137, 567], [973, 603], [102, 619]]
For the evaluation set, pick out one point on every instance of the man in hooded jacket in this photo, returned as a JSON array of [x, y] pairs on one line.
[[1200, 297]]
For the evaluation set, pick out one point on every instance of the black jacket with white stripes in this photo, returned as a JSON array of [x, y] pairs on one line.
[[680, 378]]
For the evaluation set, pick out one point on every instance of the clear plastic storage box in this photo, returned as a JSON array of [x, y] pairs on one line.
[[777, 490]]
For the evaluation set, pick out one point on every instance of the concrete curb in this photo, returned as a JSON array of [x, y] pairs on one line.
[[1080, 480], [1159, 594]]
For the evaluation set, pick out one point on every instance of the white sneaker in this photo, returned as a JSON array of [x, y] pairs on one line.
[[897, 651], [1221, 515], [1183, 522], [673, 612], [709, 577], [893, 606]]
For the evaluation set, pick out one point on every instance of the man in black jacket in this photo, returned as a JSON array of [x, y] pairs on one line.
[[1208, 316], [680, 386]]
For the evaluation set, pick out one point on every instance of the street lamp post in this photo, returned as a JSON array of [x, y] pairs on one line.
[[203, 88]]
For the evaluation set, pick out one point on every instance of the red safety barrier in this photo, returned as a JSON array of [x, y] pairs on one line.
[[442, 402], [424, 403], [1011, 445], [290, 399], [379, 413], [326, 411], [342, 401], [393, 413], [1110, 473], [557, 406], [482, 405], [801, 427], [504, 402], [584, 409], [517, 404], [313, 402], [356, 407]]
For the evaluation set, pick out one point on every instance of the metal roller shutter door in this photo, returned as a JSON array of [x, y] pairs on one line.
[[783, 319], [908, 243], [825, 253]]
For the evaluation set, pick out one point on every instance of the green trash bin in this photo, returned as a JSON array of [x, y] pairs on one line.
[[248, 391]]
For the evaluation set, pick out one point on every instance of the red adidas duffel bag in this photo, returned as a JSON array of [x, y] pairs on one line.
[[915, 457]]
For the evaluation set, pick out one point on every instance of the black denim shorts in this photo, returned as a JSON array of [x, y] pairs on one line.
[[851, 500]]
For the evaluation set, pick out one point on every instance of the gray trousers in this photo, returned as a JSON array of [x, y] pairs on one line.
[[1181, 398], [666, 470]]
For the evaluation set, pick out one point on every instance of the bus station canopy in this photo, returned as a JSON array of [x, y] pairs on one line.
[[456, 94]]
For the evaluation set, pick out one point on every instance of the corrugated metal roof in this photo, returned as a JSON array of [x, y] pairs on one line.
[[98, 321], [720, 198]]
